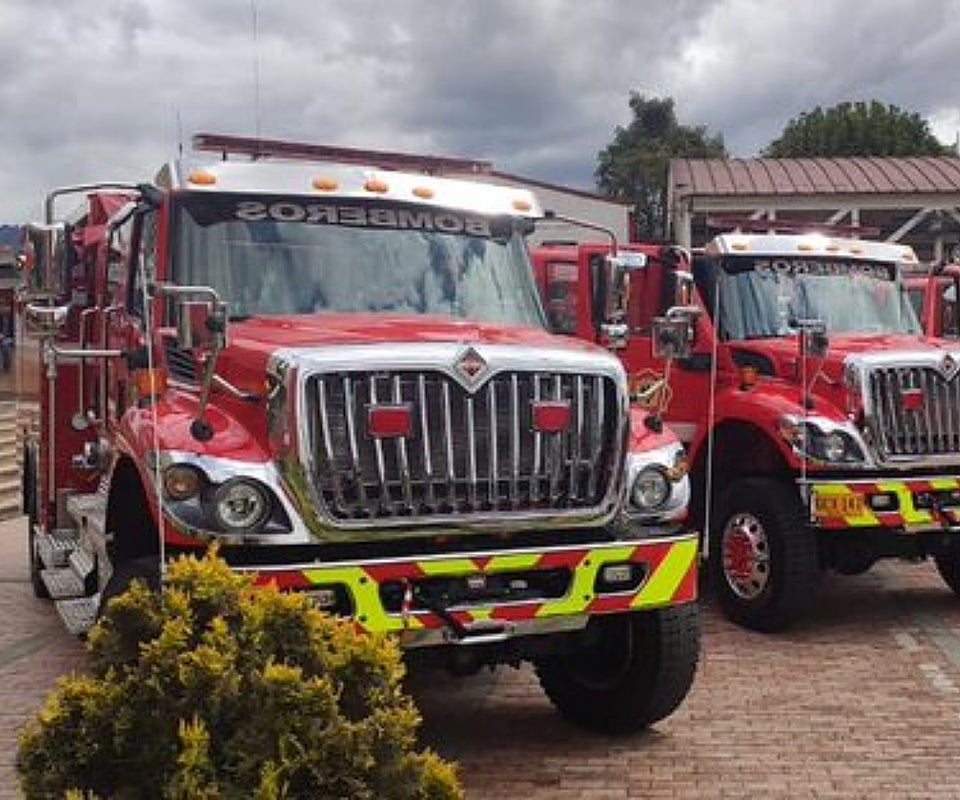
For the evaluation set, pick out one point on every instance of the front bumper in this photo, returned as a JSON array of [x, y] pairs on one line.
[[929, 504], [482, 597]]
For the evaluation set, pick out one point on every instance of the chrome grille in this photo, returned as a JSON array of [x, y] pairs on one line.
[[468, 453], [914, 411]]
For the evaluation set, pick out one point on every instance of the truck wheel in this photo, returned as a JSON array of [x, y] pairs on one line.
[[31, 508], [948, 565], [763, 557], [638, 671]]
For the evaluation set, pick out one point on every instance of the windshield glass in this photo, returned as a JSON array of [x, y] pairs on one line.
[[276, 256], [767, 297]]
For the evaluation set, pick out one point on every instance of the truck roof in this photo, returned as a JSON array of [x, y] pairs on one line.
[[328, 181], [809, 244]]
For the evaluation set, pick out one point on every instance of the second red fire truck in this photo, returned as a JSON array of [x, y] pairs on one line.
[[823, 425]]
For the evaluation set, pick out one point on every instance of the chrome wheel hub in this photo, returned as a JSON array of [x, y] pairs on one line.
[[745, 553]]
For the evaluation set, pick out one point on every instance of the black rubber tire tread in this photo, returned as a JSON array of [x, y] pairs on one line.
[[948, 565], [657, 679], [794, 559], [28, 488]]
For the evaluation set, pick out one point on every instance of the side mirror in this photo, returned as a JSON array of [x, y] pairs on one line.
[[814, 341], [44, 273], [674, 333], [41, 320], [616, 295]]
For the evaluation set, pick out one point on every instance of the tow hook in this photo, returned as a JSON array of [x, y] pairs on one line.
[[482, 632]]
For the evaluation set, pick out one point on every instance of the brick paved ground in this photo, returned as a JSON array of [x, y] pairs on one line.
[[863, 700]]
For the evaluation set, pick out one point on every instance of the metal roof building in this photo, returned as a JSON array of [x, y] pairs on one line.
[[911, 200]]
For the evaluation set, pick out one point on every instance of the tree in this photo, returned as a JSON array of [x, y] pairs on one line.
[[857, 129], [633, 167]]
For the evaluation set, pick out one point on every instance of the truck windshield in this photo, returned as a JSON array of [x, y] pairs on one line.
[[766, 297], [271, 256]]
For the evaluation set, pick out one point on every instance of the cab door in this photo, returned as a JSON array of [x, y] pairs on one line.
[[124, 317]]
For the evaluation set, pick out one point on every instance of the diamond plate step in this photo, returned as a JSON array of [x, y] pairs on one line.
[[89, 510], [54, 548], [62, 582], [79, 614], [82, 563]]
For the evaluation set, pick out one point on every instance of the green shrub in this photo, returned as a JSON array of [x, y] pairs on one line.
[[216, 689]]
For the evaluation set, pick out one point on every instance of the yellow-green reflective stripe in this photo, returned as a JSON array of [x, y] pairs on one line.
[[584, 577], [370, 613], [453, 566], [509, 563], [663, 584]]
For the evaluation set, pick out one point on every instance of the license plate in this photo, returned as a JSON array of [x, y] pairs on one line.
[[840, 505]]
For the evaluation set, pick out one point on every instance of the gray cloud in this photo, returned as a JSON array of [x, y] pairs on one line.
[[537, 86]]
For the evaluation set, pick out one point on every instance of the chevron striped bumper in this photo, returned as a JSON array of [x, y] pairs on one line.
[[489, 596], [914, 506]]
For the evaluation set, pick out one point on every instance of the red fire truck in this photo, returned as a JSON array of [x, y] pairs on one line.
[[933, 293], [823, 427], [341, 375]]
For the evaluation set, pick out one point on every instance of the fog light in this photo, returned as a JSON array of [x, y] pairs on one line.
[[323, 598], [887, 501], [614, 574]]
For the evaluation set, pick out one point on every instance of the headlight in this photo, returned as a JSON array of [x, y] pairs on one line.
[[181, 482], [241, 505], [650, 490], [658, 487], [811, 441], [834, 446]]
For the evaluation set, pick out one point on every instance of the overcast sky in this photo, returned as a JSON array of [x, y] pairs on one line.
[[108, 90]]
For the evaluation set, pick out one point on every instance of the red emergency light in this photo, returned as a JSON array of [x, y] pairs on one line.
[[390, 421], [911, 399], [551, 416]]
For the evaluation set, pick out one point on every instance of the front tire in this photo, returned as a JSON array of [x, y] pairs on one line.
[[638, 671], [763, 557], [948, 565]]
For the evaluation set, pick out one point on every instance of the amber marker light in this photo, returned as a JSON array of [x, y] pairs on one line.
[[325, 184], [376, 186], [151, 382], [748, 378], [424, 192], [201, 178], [521, 205]]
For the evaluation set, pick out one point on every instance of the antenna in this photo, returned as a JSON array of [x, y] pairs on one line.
[[179, 134], [256, 68]]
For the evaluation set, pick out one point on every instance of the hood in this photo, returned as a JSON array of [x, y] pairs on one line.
[[253, 341], [781, 358]]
